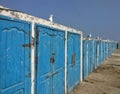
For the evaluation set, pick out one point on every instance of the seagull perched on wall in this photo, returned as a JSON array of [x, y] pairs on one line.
[[51, 18], [97, 37], [89, 36], [1, 6]]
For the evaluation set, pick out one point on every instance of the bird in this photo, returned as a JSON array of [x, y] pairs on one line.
[[1, 6], [51, 18], [97, 37], [89, 36]]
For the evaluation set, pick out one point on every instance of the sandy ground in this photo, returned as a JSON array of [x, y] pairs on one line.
[[104, 80]]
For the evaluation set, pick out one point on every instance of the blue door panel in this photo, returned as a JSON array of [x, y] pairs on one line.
[[44, 87], [93, 58], [95, 54], [58, 66], [19, 92], [58, 83], [44, 56], [58, 44], [50, 67], [102, 56], [84, 59], [14, 58], [88, 49], [90, 56], [77, 74], [83, 54], [77, 65], [73, 59], [99, 52], [69, 60]]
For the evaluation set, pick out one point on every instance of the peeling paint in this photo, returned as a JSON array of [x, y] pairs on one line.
[[29, 18]]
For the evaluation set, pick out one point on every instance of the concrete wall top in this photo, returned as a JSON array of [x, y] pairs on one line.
[[90, 39], [109, 41], [32, 19]]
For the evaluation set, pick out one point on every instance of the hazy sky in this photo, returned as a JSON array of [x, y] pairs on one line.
[[98, 17]]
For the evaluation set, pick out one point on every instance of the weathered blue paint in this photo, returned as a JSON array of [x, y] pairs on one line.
[[95, 54], [73, 58], [90, 56], [107, 49], [49, 43], [14, 56], [100, 52], [84, 59], [50, 67], [103, 51]]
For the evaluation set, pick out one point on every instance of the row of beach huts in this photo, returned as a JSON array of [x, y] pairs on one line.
[[41, 57]]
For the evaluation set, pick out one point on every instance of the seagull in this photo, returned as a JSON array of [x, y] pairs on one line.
[[51, 18], [1, 6], [89, 36], [97, 38]]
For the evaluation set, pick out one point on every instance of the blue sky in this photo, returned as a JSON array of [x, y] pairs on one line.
[[98, 17]]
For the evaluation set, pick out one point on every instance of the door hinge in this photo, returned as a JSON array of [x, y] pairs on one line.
[[28, 45]]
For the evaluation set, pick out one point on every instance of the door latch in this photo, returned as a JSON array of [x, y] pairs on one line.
[[52, 59], [73, 59]]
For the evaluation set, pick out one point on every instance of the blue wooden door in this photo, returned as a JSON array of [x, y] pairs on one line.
[[14, 57], [85, 68], [97, 52], [90, 55], [73, 60], [94, 54], [50, 67]]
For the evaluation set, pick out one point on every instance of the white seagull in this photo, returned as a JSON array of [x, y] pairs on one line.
[[51, 18]]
